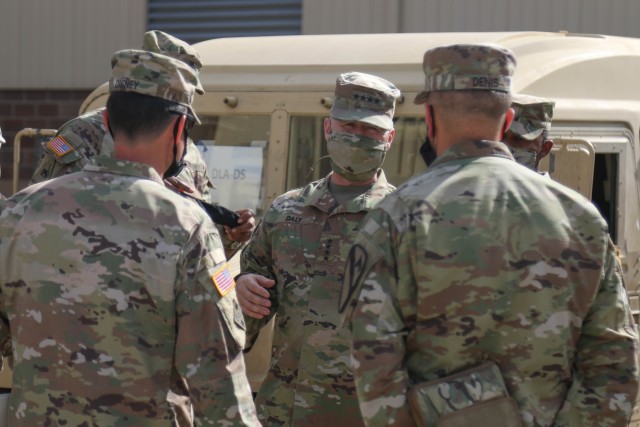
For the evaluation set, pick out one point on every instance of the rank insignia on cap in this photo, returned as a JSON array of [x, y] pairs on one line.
[[367, 98], [59, 146], [223, 280]]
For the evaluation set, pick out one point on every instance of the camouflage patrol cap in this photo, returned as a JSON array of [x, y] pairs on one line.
[[467, 67], [364, 98], [532, 116], [156, 75], [166, 44]]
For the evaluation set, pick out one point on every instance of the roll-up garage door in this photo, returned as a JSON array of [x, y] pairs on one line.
[[197, 20]]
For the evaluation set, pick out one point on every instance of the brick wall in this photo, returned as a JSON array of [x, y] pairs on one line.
[[40, 109]]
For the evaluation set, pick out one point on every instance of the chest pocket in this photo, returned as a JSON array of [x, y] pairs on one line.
[[333, 247], [295, 246], [336, 239], [288, 249]]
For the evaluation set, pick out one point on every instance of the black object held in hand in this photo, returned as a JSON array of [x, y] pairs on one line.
[[220, 214]]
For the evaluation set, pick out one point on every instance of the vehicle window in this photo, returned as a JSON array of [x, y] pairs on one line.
[[235, 148], [307, 147], [605, 193]]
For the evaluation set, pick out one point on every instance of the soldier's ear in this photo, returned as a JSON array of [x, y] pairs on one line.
[[428, 120], [508, 119], [182, 120], [391, 133], [327, 128], [547, 145], [105, 119]]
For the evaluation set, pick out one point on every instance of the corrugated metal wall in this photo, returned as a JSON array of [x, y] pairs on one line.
[[198, 20], [351, 16], [615, 17], [65, 43]]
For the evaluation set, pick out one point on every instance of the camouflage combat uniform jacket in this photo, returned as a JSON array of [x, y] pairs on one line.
[[94, 140], [109, 281], [302, 243], [479, 259]]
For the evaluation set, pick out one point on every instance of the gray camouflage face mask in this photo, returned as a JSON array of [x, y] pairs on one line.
[[355, 157], [525, 157]]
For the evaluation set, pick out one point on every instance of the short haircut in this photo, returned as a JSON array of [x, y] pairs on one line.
[[483, 104], [138, 115]]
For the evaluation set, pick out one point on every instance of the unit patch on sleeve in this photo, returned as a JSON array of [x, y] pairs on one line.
[[223, 280], [59, 146]]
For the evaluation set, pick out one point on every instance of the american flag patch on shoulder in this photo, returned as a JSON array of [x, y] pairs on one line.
[[59, 146], [223, 280]]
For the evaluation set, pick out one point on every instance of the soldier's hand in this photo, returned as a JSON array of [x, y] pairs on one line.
[[252, 295], [242, 232]]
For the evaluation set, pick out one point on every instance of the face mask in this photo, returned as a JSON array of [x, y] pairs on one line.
[[355, 157], [177, 165], [427, 152], [525, 157]]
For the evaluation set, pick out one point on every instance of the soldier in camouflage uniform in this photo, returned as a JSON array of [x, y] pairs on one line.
[[480, 259], [528, 136], [111, 282], [85, 137], [293, 264]]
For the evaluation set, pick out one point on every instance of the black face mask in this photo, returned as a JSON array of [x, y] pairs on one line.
[[177, 165], [427, 152]]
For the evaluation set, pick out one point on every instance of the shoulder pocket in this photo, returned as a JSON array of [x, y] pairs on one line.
[[233, 317], [227, 301]]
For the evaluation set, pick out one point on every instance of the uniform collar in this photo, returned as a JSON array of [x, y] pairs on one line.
[[322, 198], [478, 148], [122, 167]]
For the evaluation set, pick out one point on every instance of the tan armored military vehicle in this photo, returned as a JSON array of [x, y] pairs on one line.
[[266, 98]]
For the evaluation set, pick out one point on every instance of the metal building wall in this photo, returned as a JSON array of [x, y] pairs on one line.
[[614, 17], [198, 20], [351, 16], [65, 44]]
